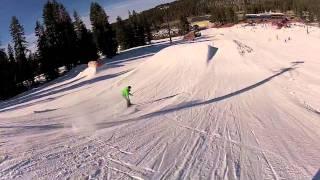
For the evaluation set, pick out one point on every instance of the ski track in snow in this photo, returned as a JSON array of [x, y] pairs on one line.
[[238, 103]]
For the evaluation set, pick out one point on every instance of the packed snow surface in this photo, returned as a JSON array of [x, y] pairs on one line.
[[238, 103]]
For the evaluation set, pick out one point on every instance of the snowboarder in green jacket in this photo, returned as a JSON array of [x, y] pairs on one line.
[[126, 95]]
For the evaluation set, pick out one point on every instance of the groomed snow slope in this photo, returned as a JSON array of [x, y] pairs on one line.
[[239, 103]]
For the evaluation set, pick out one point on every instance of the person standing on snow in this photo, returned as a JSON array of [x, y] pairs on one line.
[[126, 95]]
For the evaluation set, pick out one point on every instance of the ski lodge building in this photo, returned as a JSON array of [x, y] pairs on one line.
[[268, 16]]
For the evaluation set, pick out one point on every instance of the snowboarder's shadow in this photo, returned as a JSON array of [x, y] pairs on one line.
[[317, 176], [196, 103], [297, 62], [160, 99]]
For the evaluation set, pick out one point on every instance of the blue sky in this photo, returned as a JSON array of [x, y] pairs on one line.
[[28, 11]]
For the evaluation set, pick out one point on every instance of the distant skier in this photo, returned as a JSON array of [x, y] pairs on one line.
[[126, 95]]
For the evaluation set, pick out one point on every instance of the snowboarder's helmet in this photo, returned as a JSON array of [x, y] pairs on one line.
[[129, 87]]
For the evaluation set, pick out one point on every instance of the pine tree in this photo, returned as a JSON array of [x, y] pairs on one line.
[[20, 48], [147, 28], [87, 47], [140, 31], [7, 82], [32, 68], [122, 32], [230, 15], [10, 54], [19, 40], [61, 47], [105, 36], [137, 29], [44, 60], [3, 56], [68, 38], [184, 25], [218, 15], [12, 64], [3, 65], [51, 41], [131, 32]]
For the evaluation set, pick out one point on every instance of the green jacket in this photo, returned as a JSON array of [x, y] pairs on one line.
[[126, 92]]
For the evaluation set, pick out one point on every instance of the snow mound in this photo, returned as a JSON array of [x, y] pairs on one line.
[[197, 54], [173, 67]]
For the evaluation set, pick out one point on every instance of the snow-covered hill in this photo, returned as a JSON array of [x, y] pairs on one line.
[[239, 103]]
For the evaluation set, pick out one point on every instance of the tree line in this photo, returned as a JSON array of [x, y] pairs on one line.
[[227, 10], [63, 41], [134, 31]]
